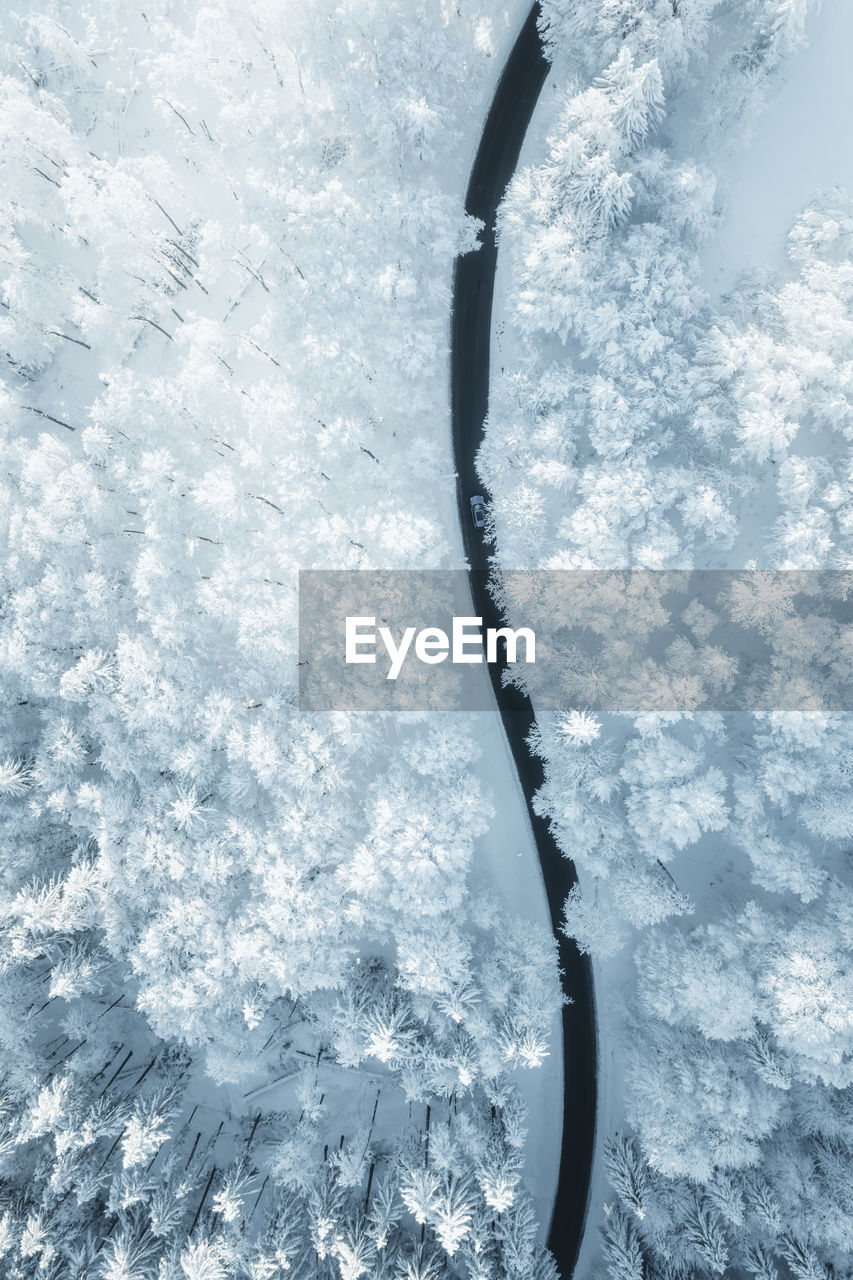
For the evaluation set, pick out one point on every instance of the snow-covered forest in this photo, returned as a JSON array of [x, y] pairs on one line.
[[641, 420], [259, 1012], [254, 1019]]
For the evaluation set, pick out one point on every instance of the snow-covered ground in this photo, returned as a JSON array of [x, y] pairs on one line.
[[504, 348], [506, 860], [506, 856], [793, 152]]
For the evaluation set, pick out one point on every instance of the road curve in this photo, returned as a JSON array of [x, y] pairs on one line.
[[473, 289]]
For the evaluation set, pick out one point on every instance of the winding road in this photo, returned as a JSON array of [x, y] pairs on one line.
[[473, 290]]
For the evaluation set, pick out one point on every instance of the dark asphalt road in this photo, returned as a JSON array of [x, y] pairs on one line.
[[474, 277]]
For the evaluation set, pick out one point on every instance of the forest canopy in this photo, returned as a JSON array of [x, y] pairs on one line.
[[639, 422]]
